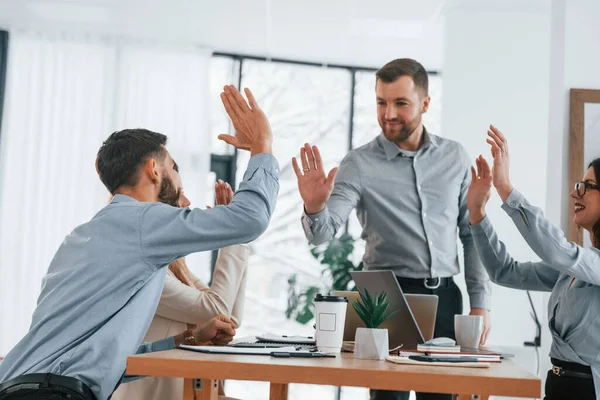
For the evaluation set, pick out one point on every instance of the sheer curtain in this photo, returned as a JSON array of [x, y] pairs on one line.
[[64, 96], [167, 90]]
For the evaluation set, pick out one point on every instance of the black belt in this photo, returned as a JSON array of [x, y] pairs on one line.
[[36, 382], [428, 283], [571, 369]]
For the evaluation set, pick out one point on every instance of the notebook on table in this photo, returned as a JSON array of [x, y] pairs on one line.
[[236, 350], [274, 341], [451, 356], [428, 348], [407, 360]]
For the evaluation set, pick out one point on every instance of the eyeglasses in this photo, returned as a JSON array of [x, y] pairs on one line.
[[582, 187]]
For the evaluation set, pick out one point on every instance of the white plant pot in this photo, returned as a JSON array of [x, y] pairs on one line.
[[372, 344]]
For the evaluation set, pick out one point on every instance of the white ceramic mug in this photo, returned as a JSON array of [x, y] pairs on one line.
[[468, 329], [330, 315]]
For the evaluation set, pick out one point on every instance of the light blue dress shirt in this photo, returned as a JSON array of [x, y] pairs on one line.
[[104, 283], [573, 312], [411, 206]]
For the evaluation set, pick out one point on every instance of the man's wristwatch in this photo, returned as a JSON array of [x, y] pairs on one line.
[[189, 338]]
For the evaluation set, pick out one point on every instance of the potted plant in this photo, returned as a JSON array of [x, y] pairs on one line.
[[335, 258], [372, 342]]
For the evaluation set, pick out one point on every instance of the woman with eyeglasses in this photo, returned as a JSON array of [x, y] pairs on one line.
[[569, 271]]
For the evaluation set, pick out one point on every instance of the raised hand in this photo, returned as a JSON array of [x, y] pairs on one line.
[[223, 193], [315, 187], [479, 190], [253, 131], [500, 172]]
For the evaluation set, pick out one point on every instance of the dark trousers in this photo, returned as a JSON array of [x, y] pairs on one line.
[[44, 387], [449, 304], [568, 387]]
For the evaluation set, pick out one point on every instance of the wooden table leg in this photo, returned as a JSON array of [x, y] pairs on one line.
[[209, 390], [188, 389], [279, 391]]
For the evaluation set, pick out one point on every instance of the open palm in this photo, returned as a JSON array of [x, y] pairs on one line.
[[481, 185], [251, 125], [500, 172], [315, 187]]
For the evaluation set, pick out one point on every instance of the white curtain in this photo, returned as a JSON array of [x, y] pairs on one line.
[[167, 90], [64, 96]]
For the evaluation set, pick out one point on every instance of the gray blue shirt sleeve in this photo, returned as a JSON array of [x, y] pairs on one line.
[[168, 233], [549, 243], [505, 270], [160, 345], [477, 280], [321, 227]]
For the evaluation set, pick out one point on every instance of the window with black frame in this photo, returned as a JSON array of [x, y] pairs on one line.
[[305, 103], [3, 64]]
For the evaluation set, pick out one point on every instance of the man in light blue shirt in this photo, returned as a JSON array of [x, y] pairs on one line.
[[104, 283]]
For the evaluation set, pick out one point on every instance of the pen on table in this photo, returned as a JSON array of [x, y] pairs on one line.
[[285, 354], [439, 359]]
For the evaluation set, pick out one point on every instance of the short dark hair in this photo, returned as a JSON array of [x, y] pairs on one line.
[[405, 67], [123, 153]]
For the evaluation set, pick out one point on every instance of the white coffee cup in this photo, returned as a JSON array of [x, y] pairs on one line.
[[330, 315], [468, 329]]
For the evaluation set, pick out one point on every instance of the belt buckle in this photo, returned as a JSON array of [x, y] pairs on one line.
[[431, 287], [556, 370]]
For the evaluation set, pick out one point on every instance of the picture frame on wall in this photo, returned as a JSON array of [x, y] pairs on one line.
[[584, 145]]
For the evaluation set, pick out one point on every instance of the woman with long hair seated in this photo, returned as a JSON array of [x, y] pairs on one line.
[[569, 271], [186, 301]]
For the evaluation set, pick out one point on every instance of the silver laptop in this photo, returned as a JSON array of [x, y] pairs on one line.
[[403, 327], [423, 307]]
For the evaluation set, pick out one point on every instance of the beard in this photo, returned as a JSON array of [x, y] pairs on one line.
[[403, 132], [168, 193]]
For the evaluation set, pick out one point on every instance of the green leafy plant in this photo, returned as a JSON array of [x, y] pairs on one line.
[[335, 260], [372, 309]]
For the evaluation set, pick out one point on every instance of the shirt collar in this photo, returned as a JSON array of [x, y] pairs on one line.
[[122, 198], [392, 150]]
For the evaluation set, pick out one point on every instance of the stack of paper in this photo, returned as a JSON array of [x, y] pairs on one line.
[[425, 348], [406, 360], [274, 341], [481, 357], [236, 350]]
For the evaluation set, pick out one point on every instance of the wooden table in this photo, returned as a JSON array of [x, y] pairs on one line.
[[202, 372]]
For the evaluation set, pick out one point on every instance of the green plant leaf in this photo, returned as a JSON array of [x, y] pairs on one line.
[[372, 309], [305, 316], [334, 258], [370, 300]]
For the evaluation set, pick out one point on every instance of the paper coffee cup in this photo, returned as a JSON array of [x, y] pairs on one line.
[[330, 314]]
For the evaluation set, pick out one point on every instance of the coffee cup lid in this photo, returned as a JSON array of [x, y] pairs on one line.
[[333, 299]]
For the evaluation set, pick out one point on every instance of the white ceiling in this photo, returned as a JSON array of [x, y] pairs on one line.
[[352, 32]]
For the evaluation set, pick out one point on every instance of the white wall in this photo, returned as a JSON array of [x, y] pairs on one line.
[[575, 63], [354, 32], [512, 64], [495, 70]]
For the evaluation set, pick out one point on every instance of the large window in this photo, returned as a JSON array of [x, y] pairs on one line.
[[305, 103]]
